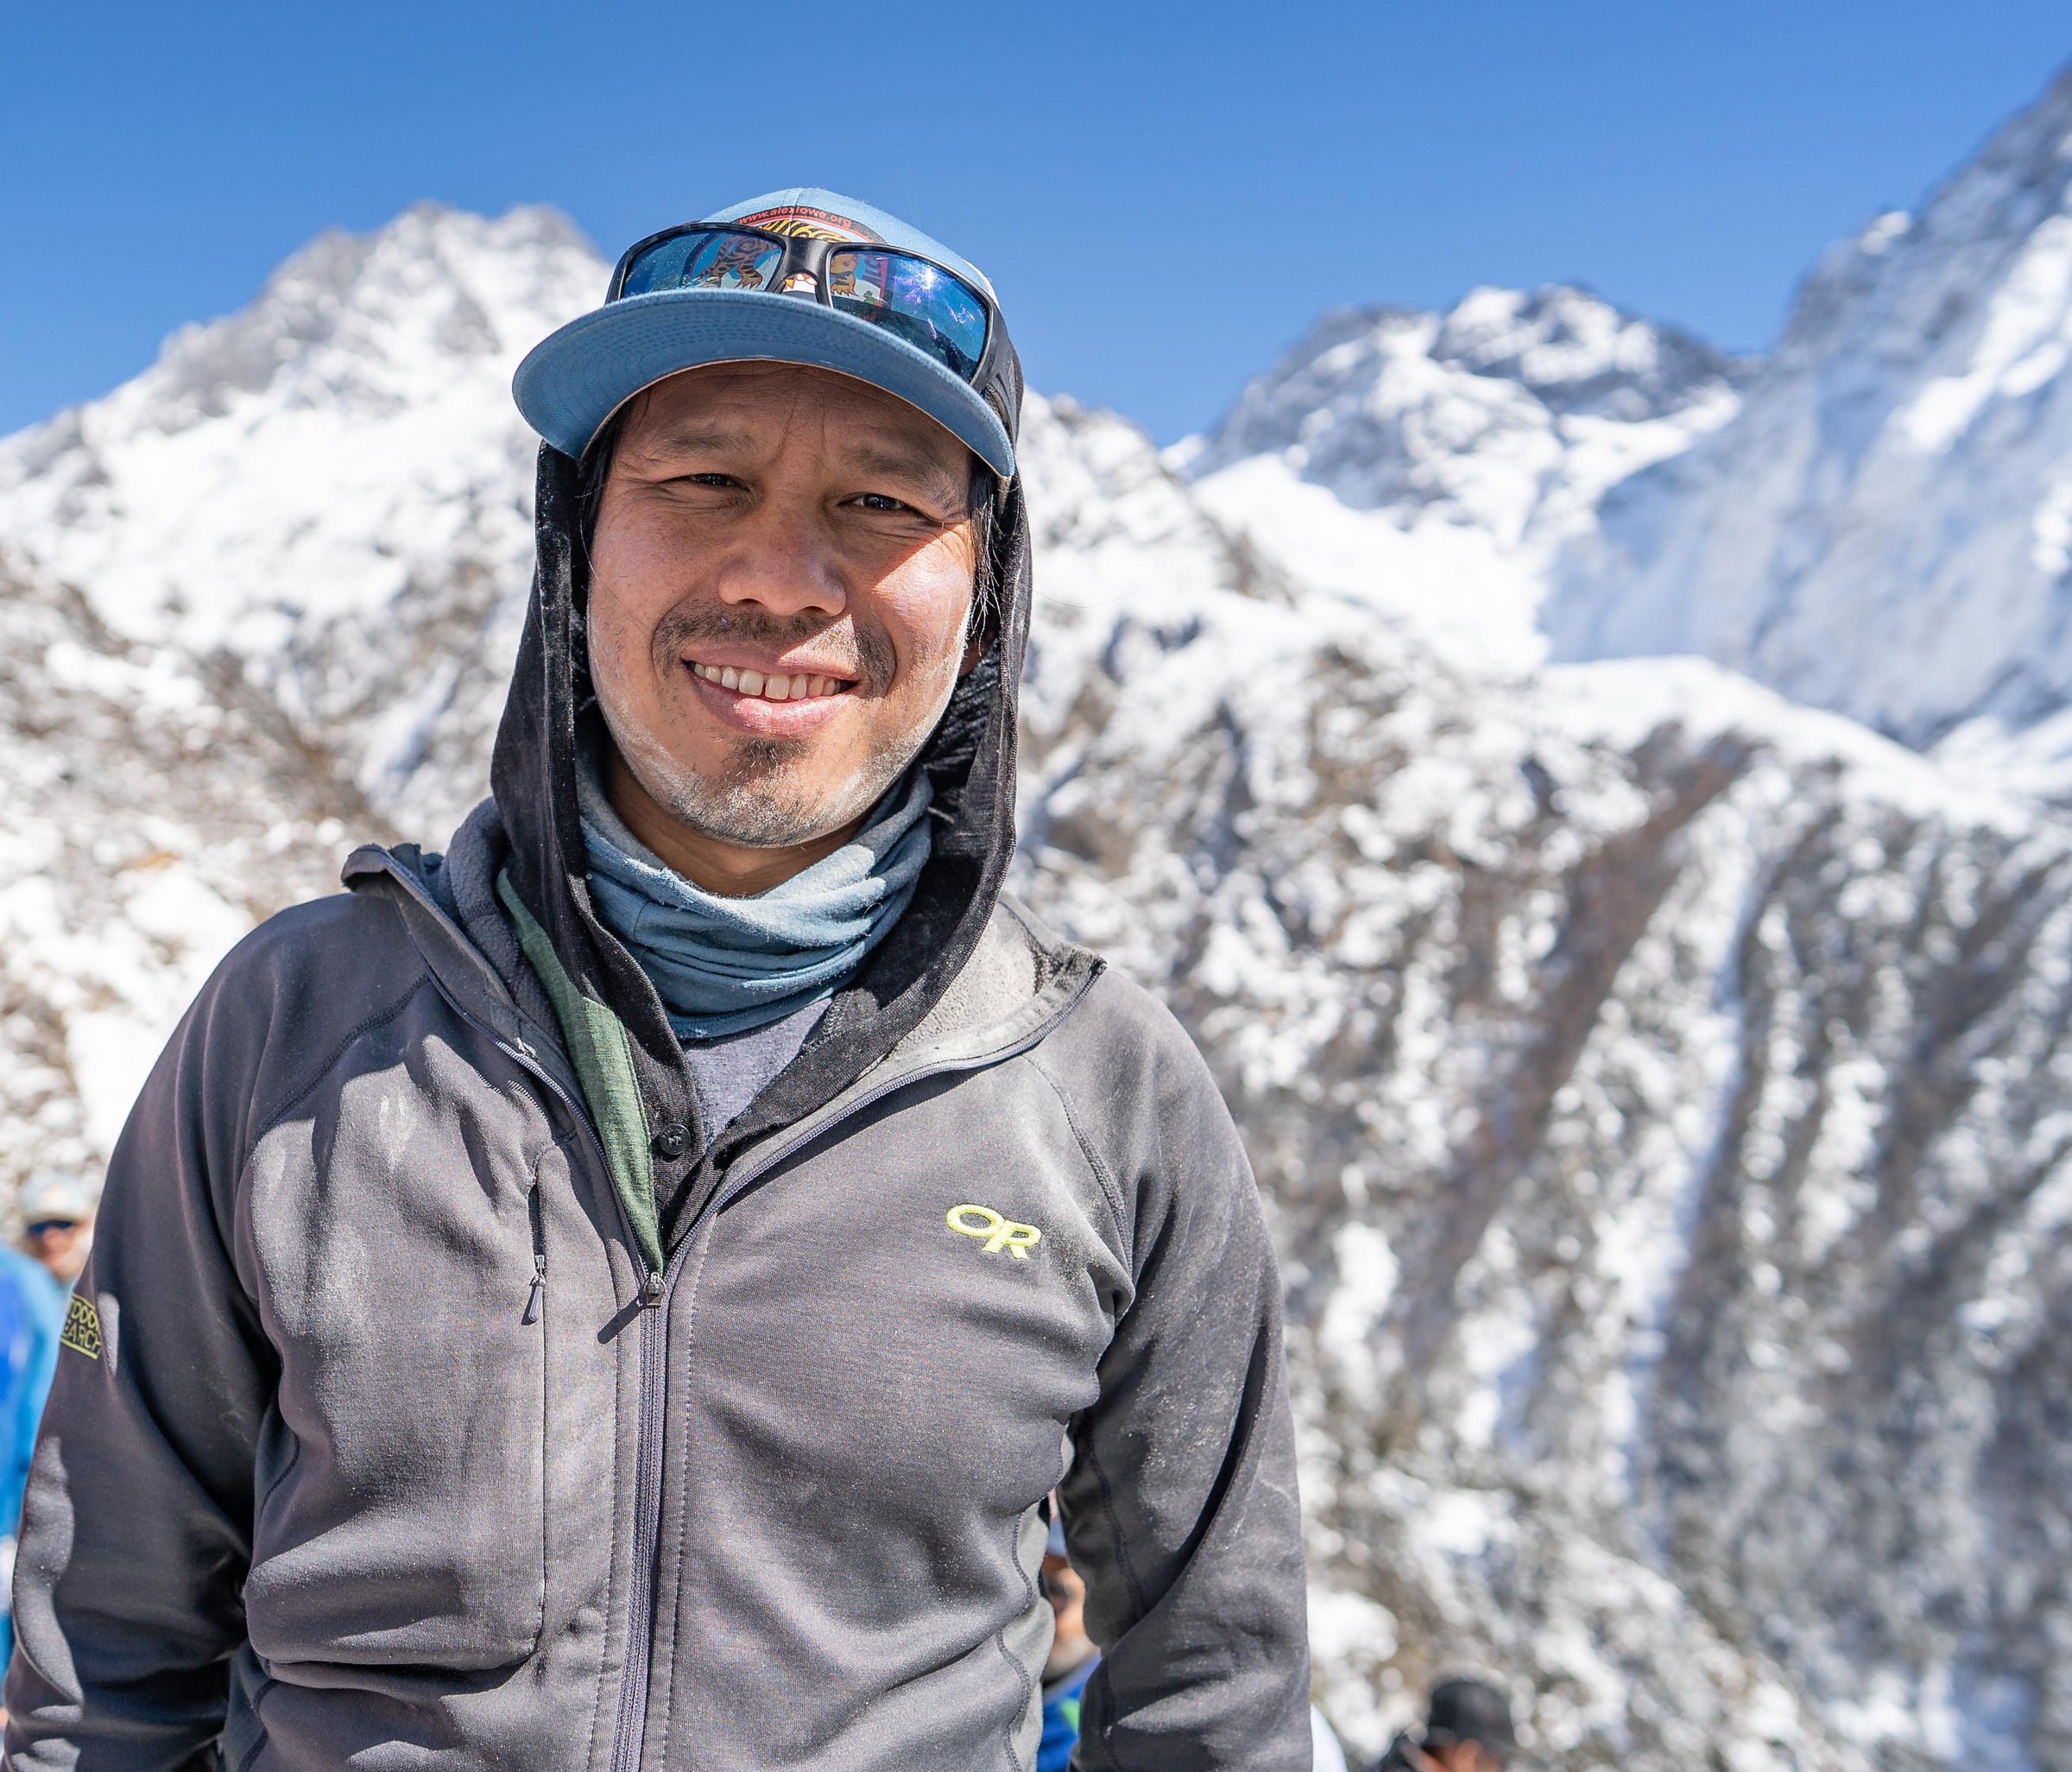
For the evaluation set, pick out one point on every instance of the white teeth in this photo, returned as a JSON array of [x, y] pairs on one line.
[[775, 687]]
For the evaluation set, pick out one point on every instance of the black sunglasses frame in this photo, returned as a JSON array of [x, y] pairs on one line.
[[807, 253]]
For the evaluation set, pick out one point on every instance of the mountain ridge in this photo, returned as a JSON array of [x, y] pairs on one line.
[[1429, 464]]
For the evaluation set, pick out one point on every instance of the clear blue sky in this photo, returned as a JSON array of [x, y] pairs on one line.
[[1106, 164]]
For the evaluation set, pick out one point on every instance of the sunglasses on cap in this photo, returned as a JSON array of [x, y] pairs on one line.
[[913, 298]]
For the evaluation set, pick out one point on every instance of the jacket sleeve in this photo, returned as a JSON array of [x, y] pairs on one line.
[[1180, 1509], [137, 1520]]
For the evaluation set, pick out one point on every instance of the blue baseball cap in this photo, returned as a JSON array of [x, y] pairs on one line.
[[574, 379]]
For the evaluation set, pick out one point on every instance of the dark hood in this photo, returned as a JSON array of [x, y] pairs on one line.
[[970, 764]]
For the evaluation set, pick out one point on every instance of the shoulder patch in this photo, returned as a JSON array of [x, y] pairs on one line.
[[82, 1333]]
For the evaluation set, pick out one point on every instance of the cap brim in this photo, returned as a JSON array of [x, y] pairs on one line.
[[576, 378]]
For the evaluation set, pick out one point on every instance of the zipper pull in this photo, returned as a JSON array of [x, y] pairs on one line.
[[537, 1212], [651, 1291]]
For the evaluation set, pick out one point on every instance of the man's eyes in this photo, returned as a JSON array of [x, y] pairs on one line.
[[876, 504], [937, 516]]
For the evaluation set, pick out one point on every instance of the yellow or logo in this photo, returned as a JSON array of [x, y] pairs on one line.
[[999, 1233], [82, 1332]]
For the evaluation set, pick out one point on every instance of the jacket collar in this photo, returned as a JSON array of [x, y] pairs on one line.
[[1019, 980]]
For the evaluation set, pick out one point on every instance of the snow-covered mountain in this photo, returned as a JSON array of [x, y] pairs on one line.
[[1887, 527], [329, 491], [1659, 1088], [1430, 466]]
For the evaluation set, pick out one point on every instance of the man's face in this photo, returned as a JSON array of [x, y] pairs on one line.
[[764, 531], [1067, 1594], [60, 1245]]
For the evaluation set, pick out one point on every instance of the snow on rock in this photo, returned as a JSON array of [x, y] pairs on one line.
[[1428, 464], [156, 808], [1887, 527], [1657, 1087], [1659, 1092]]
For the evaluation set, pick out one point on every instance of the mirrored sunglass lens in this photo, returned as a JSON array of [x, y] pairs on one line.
[[713, 261], [915, 300]]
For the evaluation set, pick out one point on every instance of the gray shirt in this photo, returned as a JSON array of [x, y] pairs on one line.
[[730, 1072]]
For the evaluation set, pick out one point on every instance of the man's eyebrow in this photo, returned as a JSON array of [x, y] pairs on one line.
[[696, 434], [907, 463]]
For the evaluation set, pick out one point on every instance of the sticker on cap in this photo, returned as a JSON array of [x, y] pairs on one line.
[[806, 223]]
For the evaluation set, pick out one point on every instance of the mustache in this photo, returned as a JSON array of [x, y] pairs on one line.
[[838, 645]]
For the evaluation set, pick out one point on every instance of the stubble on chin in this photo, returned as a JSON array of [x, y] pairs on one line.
[[760, 799]]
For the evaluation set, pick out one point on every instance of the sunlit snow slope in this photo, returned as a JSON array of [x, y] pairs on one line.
[[1657, 1088], [1887, 527], [1429, 464], [1661, 1091]]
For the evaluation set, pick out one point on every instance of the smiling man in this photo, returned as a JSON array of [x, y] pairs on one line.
[[620, 1295]]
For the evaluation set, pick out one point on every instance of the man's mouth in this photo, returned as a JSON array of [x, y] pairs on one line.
[[773, 686]]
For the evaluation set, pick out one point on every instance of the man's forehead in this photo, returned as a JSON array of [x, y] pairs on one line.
[[747, 405]]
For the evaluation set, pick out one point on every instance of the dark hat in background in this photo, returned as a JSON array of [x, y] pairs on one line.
[[1470, 1710]]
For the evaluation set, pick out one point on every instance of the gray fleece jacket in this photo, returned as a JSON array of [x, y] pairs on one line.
[[439, 1393]]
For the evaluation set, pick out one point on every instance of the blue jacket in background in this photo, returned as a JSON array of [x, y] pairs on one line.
[[32, 1317], [1061, 1717]]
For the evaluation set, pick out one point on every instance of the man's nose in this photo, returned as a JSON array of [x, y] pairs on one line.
[[780, 564]]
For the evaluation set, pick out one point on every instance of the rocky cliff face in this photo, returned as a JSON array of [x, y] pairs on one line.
[[1661, 1090], [1657, 1087]]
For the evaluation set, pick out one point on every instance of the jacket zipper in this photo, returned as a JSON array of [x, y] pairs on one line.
[[629, 1744], [648, 1452], [629, 1738], [537, 1298], [581, 1116]]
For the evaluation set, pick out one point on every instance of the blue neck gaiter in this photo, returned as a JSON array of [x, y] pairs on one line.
[[723, 965]]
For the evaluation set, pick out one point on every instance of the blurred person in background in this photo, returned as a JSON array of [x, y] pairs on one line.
[[1467, 1729], [57, 1224], [32, 1318], [1072, 1658], [621, 1291]]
